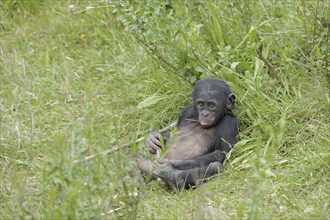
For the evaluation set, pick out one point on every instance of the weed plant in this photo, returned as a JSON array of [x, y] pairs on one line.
[[78, 79]]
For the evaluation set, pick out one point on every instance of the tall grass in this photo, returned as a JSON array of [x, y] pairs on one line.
[[77, 79]]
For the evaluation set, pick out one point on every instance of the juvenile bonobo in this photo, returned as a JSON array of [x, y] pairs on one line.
[[206, 132]]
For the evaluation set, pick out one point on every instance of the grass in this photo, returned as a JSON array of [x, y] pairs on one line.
[[75, 82]]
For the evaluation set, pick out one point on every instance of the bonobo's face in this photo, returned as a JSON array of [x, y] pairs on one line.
[[212, 99], [208, 107]]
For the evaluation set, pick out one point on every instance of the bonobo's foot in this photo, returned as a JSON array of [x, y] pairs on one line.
[[166, 173], [146, 167]]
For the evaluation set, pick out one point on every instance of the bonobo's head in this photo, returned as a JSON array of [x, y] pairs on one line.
[[212, 99]]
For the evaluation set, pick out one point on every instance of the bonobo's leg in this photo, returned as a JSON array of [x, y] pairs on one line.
[[179, 179], [200, 161]]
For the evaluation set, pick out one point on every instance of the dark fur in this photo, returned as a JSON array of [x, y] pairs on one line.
[[196, 153]]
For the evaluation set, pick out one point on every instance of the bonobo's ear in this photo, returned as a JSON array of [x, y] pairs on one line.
[[230, 101]]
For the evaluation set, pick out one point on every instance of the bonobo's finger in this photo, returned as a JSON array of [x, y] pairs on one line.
[[155, 138], [153, 142], [152, 148], [153, 151]]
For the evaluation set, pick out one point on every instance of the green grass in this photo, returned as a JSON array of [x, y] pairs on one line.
[[73, 84]]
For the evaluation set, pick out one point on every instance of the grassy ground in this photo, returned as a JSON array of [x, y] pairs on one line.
[[82, 78]]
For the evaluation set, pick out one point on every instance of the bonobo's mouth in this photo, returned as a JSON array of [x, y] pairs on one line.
[[205, 124]]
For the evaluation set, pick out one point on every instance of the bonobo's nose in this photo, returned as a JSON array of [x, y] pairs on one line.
[[205, 114]]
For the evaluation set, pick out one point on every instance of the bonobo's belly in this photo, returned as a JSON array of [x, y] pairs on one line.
[[190, 141]]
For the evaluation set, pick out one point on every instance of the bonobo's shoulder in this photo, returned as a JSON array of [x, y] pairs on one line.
[[188, 112], [230, 118], [229, 122]]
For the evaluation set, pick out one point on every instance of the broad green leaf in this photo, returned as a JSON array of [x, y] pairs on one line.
[[150, 101]]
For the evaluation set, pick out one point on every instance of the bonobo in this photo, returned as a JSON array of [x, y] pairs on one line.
[[206, 132]]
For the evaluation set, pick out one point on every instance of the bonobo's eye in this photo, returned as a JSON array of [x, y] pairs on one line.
[[200, 105], [211, 106]]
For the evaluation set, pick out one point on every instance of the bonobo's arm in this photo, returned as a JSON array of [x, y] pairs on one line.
[[179, 179], [226, 133], [187, 114]]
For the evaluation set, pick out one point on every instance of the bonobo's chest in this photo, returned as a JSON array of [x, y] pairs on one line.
[[190, 141]]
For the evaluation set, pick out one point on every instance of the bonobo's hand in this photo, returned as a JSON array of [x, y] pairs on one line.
[[153, 142]]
